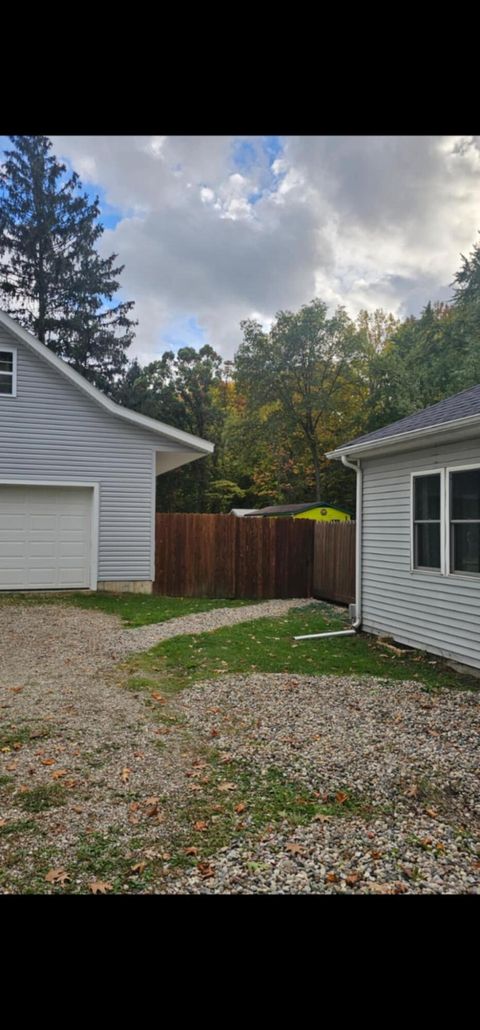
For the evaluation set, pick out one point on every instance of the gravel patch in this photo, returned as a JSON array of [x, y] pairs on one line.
[[407, 758], [392, 769], [53, 642], [68, 724]]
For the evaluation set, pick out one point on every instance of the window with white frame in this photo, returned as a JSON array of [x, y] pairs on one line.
[[464, 521], [427, 521], [8, 370]]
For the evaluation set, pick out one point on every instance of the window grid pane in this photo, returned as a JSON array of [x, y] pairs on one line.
[[6, 383], [6, 361], [426, 521]]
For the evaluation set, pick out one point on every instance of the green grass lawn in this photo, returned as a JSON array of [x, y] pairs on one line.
[[267, 645], [134, 609]]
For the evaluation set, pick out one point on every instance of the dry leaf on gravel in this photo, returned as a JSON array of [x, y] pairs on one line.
[[200, 825], [191, 851], [240, 807], [227, 786], [295, 849], [57, 775], [48, 761], [206, 870], [138, 867], [99, 887], [125, 775], [57, 876]]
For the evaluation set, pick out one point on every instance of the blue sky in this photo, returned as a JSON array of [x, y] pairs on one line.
[[216, 229]]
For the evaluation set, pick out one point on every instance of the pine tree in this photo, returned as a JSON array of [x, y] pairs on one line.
[[52, 278]]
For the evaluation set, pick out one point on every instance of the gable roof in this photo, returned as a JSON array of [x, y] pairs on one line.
[[294, 509], [194, 443], [462, 409]]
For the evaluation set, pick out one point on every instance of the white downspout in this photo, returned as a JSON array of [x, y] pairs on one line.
[[358, 561]]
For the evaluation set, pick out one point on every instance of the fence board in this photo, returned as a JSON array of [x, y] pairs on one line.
[[334, 561], [224, 556]]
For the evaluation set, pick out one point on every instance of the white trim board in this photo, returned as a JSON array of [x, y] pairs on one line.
[[195, 443]]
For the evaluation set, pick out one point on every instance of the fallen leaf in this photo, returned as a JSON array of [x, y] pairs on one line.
[[240, 807], [70, 783], [99, 887], [412, 791], [11, 766], [151, 811], [149, 801], [138, 867], [341, 797], [376, 855], [295, 849], [78, 808], [17, 746], [321, 818], [3, 822], [16, 690], [125, 775], [331, 878], [57, 876], [57, 775], [200, 825], [6, 750], [47, 761], [191, 850], [158, 697], [432, 812], [215, 733], [133, 820], [206, 870], [134, 806], [353, 878], [227, 786]]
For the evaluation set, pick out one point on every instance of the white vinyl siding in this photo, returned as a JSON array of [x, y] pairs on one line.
[[54, 432], [428, 609]]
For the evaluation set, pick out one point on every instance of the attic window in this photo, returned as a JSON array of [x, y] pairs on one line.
[[8, 373]]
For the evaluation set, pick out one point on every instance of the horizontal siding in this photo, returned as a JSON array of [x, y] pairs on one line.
[[435, 613], [53, 431]]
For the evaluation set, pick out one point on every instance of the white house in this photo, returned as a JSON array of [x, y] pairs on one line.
[[77, 476], [418, 528]]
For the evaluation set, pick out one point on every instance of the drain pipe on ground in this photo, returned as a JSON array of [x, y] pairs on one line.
[[358, 563]]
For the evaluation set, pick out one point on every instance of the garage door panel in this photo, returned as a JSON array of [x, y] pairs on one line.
[[12, 522], [11, 548], [45, 537], [42, 549]]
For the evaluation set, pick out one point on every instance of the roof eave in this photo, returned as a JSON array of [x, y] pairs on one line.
[[194, 443], [389, 443]]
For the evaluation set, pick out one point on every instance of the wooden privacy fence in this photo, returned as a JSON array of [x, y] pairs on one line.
[[225, 556], [334, 561]]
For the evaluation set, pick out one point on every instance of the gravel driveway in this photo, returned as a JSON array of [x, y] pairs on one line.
[[97, 782]]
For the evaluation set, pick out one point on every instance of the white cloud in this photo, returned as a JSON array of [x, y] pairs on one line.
[[213, 228]]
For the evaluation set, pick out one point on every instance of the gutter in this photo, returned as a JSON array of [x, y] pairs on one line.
[[358, 562]]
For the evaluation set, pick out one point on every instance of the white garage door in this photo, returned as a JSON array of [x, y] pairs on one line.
[[45, 537]]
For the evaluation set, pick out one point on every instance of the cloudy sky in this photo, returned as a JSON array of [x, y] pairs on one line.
[[214, 229]]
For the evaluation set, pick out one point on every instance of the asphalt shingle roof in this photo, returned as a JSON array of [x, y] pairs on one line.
[[462, 404]]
